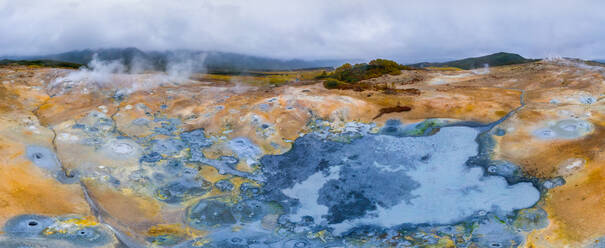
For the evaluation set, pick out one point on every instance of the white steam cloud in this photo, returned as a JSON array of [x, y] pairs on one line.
[[138, 75], [482, 71]]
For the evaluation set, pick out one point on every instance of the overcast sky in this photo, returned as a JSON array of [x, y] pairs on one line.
[[408, 31]]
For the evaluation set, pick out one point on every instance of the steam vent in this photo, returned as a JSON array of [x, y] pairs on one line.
[[501, 156]]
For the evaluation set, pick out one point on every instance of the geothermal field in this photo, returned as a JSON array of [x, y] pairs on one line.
[[502, 156]]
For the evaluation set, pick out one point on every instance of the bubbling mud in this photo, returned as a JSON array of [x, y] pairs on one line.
[[564, 129]]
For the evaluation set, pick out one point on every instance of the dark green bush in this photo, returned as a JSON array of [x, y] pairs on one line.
[[331, 83], [323, 75]]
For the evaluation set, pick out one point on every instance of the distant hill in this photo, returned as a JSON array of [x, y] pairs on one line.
[[495, 59], [85, 56], [159, 60], [223, 62], [600, 61]]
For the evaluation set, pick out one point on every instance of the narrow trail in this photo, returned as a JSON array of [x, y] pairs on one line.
[[511, 113], [125, 240], [67, 175]]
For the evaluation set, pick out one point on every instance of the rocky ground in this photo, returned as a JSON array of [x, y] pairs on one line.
[[504, 157]]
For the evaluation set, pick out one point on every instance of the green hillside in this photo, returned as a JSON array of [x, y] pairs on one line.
[[496, 59]]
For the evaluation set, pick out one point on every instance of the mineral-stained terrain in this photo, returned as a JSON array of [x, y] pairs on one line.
[[508, 156]]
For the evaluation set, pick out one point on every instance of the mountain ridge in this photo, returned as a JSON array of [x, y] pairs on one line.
[[159, 60]]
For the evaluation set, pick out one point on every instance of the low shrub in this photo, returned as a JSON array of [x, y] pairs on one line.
[[331, 83]]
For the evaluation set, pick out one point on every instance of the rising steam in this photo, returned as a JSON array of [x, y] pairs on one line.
[[139, 74]]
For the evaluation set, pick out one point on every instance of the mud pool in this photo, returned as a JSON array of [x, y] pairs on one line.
[[388, 181]]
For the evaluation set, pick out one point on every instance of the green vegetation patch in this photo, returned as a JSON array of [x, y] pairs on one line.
[[41, 63], [426, 127], [354, 73]]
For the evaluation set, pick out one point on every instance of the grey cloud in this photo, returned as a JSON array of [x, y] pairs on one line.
[[408, 31]]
